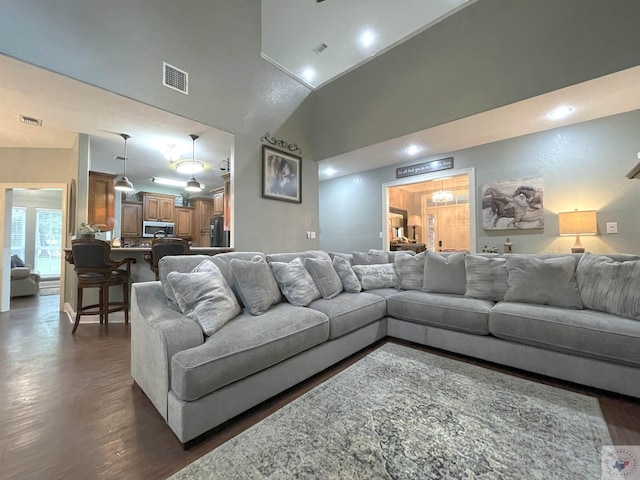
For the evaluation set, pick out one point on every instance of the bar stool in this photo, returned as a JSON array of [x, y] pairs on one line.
[[161, 247], [95, 269]]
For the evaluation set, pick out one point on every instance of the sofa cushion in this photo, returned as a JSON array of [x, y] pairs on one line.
[[349, 311], [349, 279], [486, 277], [445, 274], [295, 282], [255, 284], [580, 332], [610, 286], [325, 276], [410, 271], [381, 275], [204, 296], [223, 262], [454, 312], [547, 282], [246, 345], [180, 264], [371, 257], [287, 257]]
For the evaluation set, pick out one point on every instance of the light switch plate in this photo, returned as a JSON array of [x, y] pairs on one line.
[[612, 227]]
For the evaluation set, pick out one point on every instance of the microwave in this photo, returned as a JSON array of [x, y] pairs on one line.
[[158, 229]]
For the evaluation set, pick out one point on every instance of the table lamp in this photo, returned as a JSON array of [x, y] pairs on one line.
[[415, 221], [578, 223]]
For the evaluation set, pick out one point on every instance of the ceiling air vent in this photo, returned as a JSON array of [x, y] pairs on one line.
[[320, 48], [34, 122], [175, 78]]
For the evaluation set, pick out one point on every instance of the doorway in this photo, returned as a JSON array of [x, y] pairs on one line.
[[37, 231], [437, 212]]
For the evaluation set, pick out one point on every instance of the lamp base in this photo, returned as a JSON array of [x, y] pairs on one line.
[[577, 249]]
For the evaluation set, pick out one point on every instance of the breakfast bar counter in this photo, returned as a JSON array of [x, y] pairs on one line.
[[141, 270]]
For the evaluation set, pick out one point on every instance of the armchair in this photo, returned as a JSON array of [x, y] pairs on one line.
[[24, 282]]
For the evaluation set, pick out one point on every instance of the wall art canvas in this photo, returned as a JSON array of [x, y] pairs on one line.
[[281, 175], [513, 204]]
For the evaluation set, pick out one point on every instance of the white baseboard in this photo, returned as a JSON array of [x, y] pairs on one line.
[[116, 317]]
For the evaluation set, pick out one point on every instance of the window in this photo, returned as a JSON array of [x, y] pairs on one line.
[[48, 241], [18, 231]]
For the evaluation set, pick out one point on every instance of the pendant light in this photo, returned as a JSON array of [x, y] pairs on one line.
[[193, 185], [124, 185]]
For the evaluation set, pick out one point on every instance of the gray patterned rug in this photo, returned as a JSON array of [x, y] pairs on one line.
[[402, 413]]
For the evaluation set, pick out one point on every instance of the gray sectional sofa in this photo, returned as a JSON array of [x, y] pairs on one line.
[[272, 321]]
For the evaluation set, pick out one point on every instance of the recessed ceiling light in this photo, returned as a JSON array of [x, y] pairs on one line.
[[412, 149], [560, 112], [367, 38], [330, 171], [309, 74]]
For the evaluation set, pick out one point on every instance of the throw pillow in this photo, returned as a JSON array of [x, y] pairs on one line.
[[486, 277], [349, 280], [550, 281], [325, 276], [16, 261], [445, 274], [609, 286], [256, 287], [204, 296], [372, 257], [295, 282], [410, 270], [376, 276]]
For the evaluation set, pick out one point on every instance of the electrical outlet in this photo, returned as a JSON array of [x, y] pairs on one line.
[[612, 227], [313, 234], [380, 234]]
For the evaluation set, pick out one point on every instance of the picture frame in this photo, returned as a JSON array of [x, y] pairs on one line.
[[281, 175]]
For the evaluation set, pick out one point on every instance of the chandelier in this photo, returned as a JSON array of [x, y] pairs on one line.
[[442, 196]]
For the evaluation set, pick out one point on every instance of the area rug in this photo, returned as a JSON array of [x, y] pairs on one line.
[[401, 413]]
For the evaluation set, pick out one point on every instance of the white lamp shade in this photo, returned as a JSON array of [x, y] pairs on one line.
[[578, 223], [415, 220]]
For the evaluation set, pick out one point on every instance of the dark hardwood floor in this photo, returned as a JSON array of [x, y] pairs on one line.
[[70, 410]]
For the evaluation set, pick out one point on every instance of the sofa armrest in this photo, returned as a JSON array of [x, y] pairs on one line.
[[157, 333], [18, 273]]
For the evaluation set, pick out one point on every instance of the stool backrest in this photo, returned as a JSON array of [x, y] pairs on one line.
[[161, 247], [91, 255]]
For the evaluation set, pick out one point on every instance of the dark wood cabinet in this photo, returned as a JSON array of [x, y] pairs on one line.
[[131, 225], [101, 200], [158, 207], [184, 222], [202, 214]]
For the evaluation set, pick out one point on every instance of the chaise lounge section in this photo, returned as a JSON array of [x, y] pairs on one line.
[[299, 313]]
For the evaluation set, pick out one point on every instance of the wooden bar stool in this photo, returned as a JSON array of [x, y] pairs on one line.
[[95, 269], [161, 247]]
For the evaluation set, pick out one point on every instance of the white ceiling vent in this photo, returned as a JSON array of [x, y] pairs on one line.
[[175, 78], [320, 48], [34, 122]]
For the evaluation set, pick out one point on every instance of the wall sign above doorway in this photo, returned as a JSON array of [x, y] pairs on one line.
[[426, 167]]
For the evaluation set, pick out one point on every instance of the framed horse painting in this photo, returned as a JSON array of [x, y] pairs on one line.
[[513, 204]]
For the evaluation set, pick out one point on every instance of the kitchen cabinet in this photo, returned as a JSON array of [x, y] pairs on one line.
[[101, 200], [226, 201], [131, 224], [184, 222], [218, 201], [202, 214], [157, 207]]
